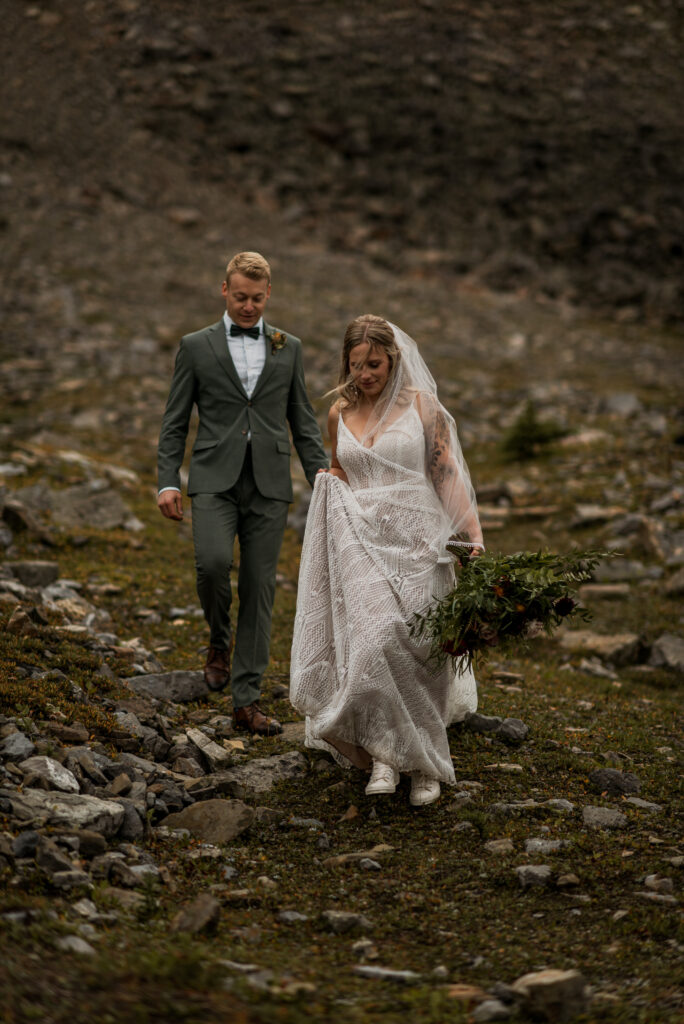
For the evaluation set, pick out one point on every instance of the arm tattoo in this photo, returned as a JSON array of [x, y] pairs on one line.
[[440, 461]]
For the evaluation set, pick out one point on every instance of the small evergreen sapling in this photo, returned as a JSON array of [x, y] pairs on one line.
[[529, 435]]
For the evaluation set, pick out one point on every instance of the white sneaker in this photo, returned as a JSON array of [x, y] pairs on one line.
[[424, 790], [383, 779]]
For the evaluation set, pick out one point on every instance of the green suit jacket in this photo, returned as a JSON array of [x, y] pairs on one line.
[[205, 376]]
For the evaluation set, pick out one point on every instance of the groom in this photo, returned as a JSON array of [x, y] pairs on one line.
[[247, 381]]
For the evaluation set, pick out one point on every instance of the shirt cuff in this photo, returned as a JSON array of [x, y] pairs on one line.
[[168, 489]]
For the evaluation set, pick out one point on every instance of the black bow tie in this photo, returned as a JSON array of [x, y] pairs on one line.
[[253, 332]]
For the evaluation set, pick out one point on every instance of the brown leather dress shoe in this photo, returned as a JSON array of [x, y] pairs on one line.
[[217, 668], [252, 718]]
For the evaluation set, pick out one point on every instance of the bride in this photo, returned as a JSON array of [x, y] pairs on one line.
[[374, 553]]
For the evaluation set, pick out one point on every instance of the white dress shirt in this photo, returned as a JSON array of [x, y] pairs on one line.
[[248, 354]]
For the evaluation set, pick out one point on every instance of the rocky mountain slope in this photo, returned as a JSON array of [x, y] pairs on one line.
[[534, 146]]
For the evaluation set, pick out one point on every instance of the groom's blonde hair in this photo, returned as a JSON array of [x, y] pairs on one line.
[[251, 264]]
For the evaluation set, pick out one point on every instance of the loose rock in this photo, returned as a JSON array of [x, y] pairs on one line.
[[614, 782], [76, 811], [621, 649], [52, 772], [533, 875], [386, 974], [490, 1009], [657, 884], [346, 858], [35, 574], [26, 844], [135, 824], [603, 817], [16, 747], [290, 917], [668, 652], [342, 921], [215, 756], [215, 821], [476, 722], [202, 915], [75, 944], [50, 858], [513, 731], [643, 805], [260, 774], [179, 687], [553, 995], [675, 585], [499, 847], [560, 805], [544, 846], [657, 897]]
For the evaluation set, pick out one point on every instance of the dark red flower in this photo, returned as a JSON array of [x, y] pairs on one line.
[[563, 606], [455, 650]]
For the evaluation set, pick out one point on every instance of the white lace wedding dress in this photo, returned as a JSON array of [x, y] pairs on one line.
[[371, 558]]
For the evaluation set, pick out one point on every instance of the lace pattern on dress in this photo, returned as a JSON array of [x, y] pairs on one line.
[[372, 556]]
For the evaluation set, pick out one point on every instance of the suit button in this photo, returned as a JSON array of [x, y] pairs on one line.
[[244, 431], [249, 403]]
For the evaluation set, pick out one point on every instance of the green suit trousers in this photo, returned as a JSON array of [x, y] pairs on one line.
[[259, 524]]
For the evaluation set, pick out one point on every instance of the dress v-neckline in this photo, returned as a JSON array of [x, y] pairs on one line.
[[358, 440]]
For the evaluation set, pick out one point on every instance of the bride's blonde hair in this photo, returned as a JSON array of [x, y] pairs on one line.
[[379, 335]]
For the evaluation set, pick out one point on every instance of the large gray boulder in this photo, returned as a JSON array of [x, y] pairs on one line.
[[71, 810], [51, 772], [213, 821]]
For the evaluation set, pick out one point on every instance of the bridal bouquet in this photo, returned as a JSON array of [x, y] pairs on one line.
[[503, 600]]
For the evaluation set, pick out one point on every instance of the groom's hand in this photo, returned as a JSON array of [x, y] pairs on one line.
[[170, 504]]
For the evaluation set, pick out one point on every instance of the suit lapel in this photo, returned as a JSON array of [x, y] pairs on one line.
[[219, 346], [271, 359]]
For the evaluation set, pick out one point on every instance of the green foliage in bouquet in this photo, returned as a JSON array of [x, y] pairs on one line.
[[503, 600], [528, 435]]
